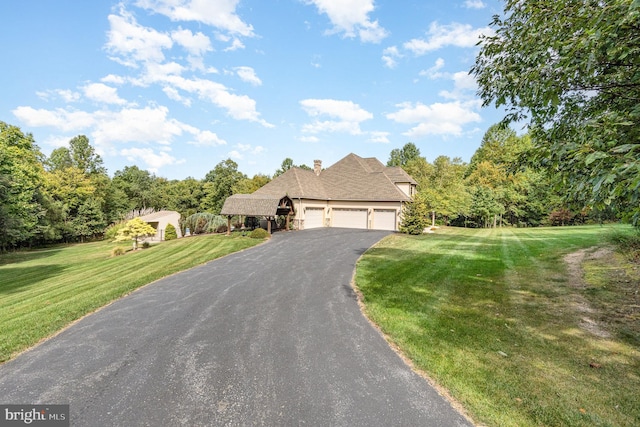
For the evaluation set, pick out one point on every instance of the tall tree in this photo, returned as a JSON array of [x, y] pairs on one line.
[[404, 155], [218, 185], [138, 185], [572, 69], [84, 156], [21, 174]]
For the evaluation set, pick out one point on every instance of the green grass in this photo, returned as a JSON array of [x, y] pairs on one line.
[[493, 317], [42, 291]]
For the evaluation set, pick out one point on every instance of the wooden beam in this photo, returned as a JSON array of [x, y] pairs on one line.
[[228, 225], [269, 224]]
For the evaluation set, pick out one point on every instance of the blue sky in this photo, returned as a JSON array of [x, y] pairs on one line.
[[176, 86]]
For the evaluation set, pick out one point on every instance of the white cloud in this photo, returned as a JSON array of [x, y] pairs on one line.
[[65, 120], [240, 107], [434, 72], [474, 4], [147, 125], [464, 87], [248, 148], [153, 160], [196, 44], [344, 110], [234, 154], [219, 13], [389, 56], [351, 17], [235, 45], [131, 43], [439, 36], [206, 138], [379, 137], [436, 119], [173, 94], [100, 92], [248, 75], [66, 95], [113, 79]]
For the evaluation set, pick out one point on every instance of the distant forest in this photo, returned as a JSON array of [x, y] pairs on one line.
[[70, 197]]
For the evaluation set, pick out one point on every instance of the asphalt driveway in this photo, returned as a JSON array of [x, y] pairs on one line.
[[269, 336]]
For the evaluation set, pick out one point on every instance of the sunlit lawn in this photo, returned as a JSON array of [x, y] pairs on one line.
[[491, 316], [42, 291]]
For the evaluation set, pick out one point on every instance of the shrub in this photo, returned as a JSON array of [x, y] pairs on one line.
[[146, 245], [203, 222], [170, 233], [118, 251], [221, 228], [259, 233], [112, 231]]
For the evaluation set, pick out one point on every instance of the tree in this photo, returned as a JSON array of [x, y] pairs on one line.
[[402, 156], [135, 229], [138, 185], [415, 216], [170, 232], [59, 159], [84, 156], [572, 69], [285, 166], [445, 191], [21, 174], [248, 186], [219, 184]]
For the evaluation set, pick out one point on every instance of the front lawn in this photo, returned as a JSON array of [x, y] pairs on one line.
[[500, 320], [42, 291]]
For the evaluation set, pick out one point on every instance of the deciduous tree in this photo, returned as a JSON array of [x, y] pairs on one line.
[[572, 70]]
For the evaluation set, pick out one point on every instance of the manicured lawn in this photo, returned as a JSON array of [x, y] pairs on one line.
[[42, 291], [496, 318]]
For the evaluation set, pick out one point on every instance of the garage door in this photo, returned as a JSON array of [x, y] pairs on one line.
[[384, 219], [349, 218], [313, 218]]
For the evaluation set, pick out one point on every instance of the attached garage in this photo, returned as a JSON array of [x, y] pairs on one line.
[[313, 218], [384, 219], [349, 218]]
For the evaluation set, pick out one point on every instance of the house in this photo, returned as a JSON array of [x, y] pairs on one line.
[[355, 192], [159, 221]]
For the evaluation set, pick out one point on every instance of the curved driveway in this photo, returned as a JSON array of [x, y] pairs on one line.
[[269, 336]]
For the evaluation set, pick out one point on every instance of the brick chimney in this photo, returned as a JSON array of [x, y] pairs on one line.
[[317, 166]]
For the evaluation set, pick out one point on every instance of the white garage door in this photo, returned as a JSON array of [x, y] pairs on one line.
[[313, 218], [349, 218], [384, 219]]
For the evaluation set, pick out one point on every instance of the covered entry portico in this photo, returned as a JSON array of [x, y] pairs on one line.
[[268, 207]]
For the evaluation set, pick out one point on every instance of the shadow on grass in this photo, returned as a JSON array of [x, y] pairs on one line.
[[16, 279], [16, 257]]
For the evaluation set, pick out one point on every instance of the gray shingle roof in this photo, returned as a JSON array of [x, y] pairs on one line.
[[352, 178], [251, 205]]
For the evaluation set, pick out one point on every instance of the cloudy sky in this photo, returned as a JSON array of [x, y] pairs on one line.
[[176, 86]]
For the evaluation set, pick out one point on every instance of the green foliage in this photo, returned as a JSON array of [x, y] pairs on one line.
[[573, 70], [135, 229], [204, 222], [170, 233], [248, 186], [404, 155], [111, 233], [218, 185], [259, 233], [21, 175], [415, 217]]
